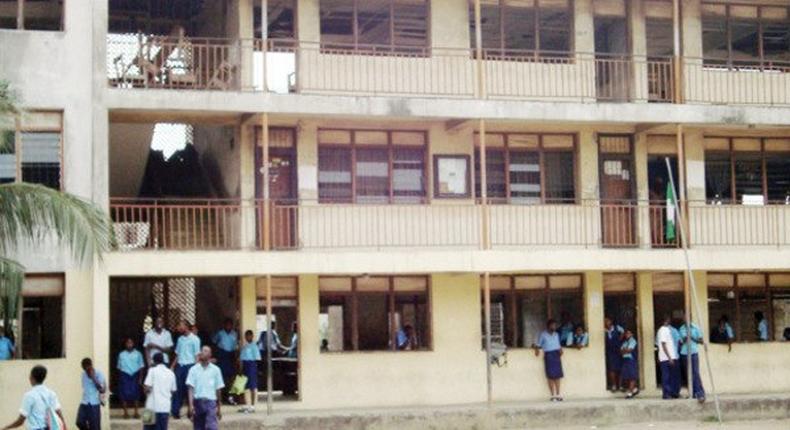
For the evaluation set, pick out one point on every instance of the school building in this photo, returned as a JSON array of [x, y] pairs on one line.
[[367, 165]]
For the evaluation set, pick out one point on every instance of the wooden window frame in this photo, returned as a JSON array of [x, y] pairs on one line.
[[353, 146], [541, 151], [731, 153], [391, 293], [761, 62], [735, 321], [514, 295], [437, 194], [19, 338], [384, 48], [19, 129], [20, 17], [286, 41]]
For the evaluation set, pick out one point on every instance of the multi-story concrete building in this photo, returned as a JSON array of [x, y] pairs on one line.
[[385, 163]]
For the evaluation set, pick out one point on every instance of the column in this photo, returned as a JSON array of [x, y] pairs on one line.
[[245, 135], [240, 27], [307, 160], [584, 44], [593, 309], [642, 189], [636, 21], [248, 307], [647, 330], [309, 342]]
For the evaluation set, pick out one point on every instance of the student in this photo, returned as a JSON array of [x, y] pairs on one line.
[[274, 344], [249, 357], [579, 339], [549, 342], [293, 349], [567, 328], [667, 359], [160, 384], [761, 326], [723, 333], [93, 386], [405, 339], [187, 350], [613, 339], [205, 384], [695, 335], [227, 342], [7, 349], [630, 369], [130, 365], [158, 339], [36, 403]]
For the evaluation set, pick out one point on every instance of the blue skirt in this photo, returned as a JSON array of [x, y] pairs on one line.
[[553, 363], [630, 369], [225, 363], [128, 387], [251, 372]]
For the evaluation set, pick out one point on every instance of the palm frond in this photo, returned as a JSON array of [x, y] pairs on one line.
[[35, 213], [8, 99], [12, 275]]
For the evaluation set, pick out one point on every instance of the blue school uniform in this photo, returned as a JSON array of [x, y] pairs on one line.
[[613, 358], [250, 356], [566, 332], [630, 368], [6, 348], [552, 349], [129, 363], [227, 343], [762, 330], [696, 335], [577, 340]]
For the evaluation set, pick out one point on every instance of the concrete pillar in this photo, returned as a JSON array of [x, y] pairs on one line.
[[450, 24], [642, 189], [309, 341], [636, 21], [240, 27], [245, 135], [647, 329], [695, 164], [588, 165], [307, 160], [691, 12], [248, 308], [99, 348], [593, 309], [309, 21], [584, 36]]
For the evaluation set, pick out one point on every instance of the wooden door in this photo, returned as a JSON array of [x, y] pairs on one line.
[[282, 186], [618, 208]]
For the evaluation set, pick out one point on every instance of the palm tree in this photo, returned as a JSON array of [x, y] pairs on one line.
[[31, 213]]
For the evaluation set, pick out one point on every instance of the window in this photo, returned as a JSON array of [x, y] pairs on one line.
[[528, 168], [523, 303], [32, 153], [375, 25], [742, 296], [281, 19], [747, 170], [36, 328], [371, 166], [524, 28], [743, 35], [367, 313], [32, 14]]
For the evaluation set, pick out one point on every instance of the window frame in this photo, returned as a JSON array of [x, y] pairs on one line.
[[515, 295], [384, 49], [256, 9], [540, 150], [732, 199], [767, 290], [352, 297], [18, 330], [390, 147], [760, 63], [20, 18], [21, 127]]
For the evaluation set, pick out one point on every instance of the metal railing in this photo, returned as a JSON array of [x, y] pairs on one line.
[[739, 225], [744, 82]]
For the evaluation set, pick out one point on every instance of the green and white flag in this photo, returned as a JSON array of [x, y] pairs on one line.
[[669, 232]]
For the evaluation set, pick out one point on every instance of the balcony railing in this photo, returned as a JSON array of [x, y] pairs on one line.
[[744, 82], [232, 224]]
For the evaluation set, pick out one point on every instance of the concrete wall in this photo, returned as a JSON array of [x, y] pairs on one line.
[[220, 155], [129, 149]]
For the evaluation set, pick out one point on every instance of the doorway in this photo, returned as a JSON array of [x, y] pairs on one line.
[[285, 316], [613, 64], [618, 208], [660, 211], [282, 186], [619, 303], [668, 299]]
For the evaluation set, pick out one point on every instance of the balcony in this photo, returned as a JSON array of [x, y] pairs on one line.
[[150, 224]]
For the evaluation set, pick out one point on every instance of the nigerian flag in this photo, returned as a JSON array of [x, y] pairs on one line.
[[669, 232]]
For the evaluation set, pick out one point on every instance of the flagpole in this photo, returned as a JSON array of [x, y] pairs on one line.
[[694, 298]]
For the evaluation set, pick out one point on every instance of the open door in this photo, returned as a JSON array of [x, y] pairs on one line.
[[618, 208], [282, 186], [613, 69], [658, 182]]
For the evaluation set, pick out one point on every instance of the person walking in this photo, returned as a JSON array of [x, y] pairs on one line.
[[694, 336], [94, 385], [667, 359], [37, 403], [160, 384], [205, 389], [187, 350]]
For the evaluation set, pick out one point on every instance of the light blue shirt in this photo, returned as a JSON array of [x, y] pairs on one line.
[[762, 329], [130, 362], [577, 340], [549, 341], [728, 331], [293, 351], [35, 404], [226, 341], [90, 394], [250, 352], [628, 344], [187, 349], [615, 330], [275, 341], [205, 381], [696, 335], [6, 348], [566, 332]]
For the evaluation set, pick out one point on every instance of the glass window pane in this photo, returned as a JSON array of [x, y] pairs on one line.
[[714, 37], [337, 23], [560, 178], [519, 25], [7, 157], [659, 37], [373, 22], [554, 26], [334, 323], [41, 159], [490, 26], [776, 41], [42, 327], [44, 16], [373, 322], [568, 309], [410, 23], [532, 316], [8, 13], [408, 174], [524, 177], [411, 310], [372, 171], [778, 175], [721, 303], [748, 176], [745, 45], [280, 18], [334, 174], [780, 302], [751, 301], [718, 179], [495, 174]]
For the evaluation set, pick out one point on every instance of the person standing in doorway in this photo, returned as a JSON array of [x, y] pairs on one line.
[[7, 349], [205, 388], [94, 385], [613, 339], [694, 336], [160, 384], [158, 339], [667, 359], [630, 369], [250, 357], [187, 350], [227, 342], [130, 365], [549, 342], [37, 403], [761, 326]]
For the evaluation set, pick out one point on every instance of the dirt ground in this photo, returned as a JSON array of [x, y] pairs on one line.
[[694, 425]]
